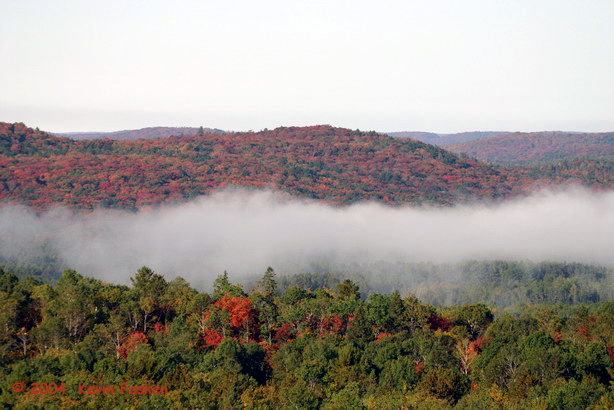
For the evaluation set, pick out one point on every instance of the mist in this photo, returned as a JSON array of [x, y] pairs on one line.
[[245, 231]]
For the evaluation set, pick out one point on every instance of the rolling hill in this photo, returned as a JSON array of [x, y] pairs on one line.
[[529, 148], [336, 165], [146, 133], [322, 162], [445, 139]]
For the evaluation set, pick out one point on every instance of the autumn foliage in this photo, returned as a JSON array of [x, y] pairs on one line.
[[335, 165], [296, 347], [230, 317], [524, 148], [132, 343]]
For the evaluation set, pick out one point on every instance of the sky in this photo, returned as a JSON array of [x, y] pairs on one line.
[[441, 66]]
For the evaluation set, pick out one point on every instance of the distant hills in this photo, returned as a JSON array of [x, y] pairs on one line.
[[146, 133], [529, 148], [335, 165], [499, 147], [445, 139]]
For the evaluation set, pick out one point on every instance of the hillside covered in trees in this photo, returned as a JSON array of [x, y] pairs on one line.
[[336, 165], [502, 284], [445, 139], [322, 162], [530, 148], [145, 133], [87, 344]]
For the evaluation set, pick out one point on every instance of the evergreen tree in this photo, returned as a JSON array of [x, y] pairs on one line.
[[359, 330], [222, 286], [348, 290]]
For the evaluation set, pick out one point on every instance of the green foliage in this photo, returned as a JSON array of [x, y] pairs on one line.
[[573, 395], [348, 290], [447, 384], [475, 318], [300, 349], [501, 284], [222, 286]]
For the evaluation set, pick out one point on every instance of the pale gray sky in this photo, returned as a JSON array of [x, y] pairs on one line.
[[434, 65]]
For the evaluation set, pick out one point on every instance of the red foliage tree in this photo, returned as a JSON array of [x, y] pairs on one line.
[[132, 342], [230, 317]]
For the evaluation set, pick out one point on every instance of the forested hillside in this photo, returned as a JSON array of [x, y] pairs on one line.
[[146, 133], [332, 164], [336, 165], [481, 334], [529, 148], [85, 343], [502, 284], [445, 139], [596, 171]]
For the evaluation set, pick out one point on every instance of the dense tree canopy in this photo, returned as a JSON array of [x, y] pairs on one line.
[[478, 334], [296, 348], [336, 165], [526, 148]]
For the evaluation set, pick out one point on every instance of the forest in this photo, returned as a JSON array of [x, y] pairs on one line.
[[537, 147], [496, 334], [334, 205], [266, 347], [334, 165], [149, 132], [501, 284]]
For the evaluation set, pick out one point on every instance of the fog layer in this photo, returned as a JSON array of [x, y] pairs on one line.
[[246, 231]]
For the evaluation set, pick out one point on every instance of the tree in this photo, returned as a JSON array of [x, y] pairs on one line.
[[574, 395], [73, 304], [396, 312], [178, 297], [8, 320], [447, 384], [476, 317], [222, 286], [349, 397], [264, 299], [348, 290], [24, 338], [116, 331], [50, 333], [147, 283], [359, 329], [267, 286], [414, 313], [466, 351], [149, 288], [229, 317]]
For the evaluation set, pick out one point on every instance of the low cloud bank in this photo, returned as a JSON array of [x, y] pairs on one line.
[[246, 231]]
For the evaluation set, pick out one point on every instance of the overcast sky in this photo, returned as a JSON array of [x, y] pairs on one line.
[[441, 66]]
